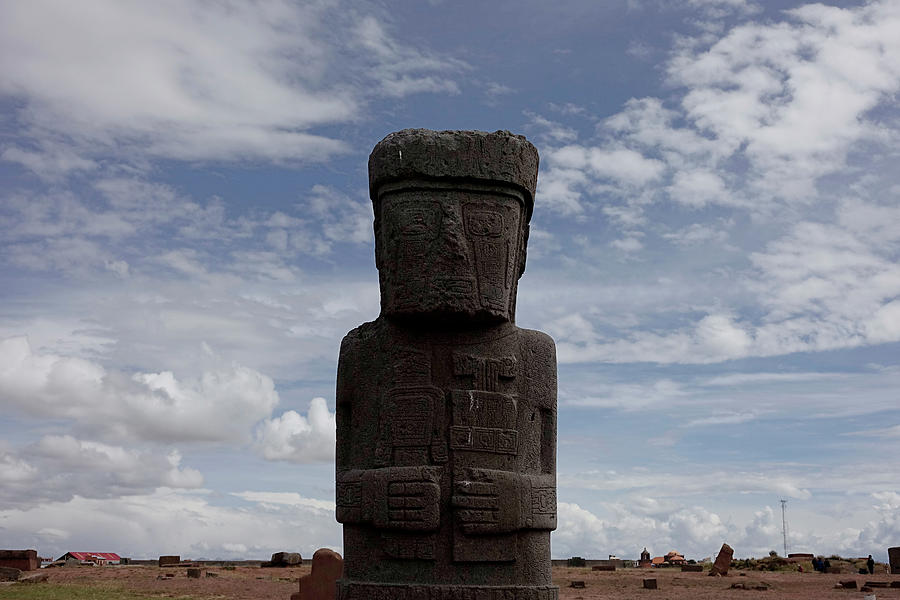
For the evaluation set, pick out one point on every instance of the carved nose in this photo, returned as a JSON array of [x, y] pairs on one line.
[[455, 246]]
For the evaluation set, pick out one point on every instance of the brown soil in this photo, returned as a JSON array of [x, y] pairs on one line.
[[248, 583]]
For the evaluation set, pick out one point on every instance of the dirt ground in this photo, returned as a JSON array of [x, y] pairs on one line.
[[247, 583]]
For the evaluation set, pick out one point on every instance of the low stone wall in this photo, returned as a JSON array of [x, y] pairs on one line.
[[24, 560]]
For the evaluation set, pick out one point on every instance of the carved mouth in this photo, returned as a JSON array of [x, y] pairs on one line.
[[461, 287]]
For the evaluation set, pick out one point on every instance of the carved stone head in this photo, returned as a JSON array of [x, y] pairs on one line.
[[451, 222]]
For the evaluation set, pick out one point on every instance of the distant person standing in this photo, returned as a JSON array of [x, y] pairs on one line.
[[870, 564]]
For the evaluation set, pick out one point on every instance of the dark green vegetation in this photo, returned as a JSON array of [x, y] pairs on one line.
[[52, 591]]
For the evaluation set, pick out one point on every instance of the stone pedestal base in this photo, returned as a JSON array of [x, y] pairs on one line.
[[412, 591]]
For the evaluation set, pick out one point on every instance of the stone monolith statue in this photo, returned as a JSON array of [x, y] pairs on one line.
[[446, 411]]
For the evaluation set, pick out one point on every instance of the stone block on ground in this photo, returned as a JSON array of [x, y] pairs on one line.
[[10, 574], [24, 560], [283, 559], [691, 568], [194, 573], [878, 584], [848, 584], [894, 559], [169, 560], [321, 582], [650, 584], [34, 578], [577, 584], [723, 561]]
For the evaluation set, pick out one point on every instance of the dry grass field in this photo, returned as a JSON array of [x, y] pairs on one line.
[[248, 583]]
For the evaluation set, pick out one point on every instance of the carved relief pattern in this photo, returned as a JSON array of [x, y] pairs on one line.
[[362, 591], [445, 406]]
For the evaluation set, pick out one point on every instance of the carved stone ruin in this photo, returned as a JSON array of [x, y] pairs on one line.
[[169, 560], [723, 561], [320, 583], [24, 560], [894, 560], [446, 411], [283, 559]]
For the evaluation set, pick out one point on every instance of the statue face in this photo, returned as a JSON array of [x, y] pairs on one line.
[[451, 253]]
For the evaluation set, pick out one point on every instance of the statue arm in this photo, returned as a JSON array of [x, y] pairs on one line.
[[344, 401], [490, 501], [390, 498]]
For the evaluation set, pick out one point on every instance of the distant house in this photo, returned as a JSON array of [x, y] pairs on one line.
[[98, 558], [671, 559]]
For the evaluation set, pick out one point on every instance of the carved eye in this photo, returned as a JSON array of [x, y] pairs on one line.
[[417, 221], [484, 223]]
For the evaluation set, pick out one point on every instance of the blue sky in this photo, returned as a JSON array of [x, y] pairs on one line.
[[186, 236]]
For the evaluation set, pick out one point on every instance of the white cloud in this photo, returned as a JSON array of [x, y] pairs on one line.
[[219, 405], [700, 233], [295, 438], [185, 81], [51, 162], [270, 499], [819, 286], [400, 70], [172, 522], [635, 396], [711, 482], [644, 521], [627, 244], [698, 188], [59, 467], [221, 81], [551, 131], [724, 418], [746, 128]]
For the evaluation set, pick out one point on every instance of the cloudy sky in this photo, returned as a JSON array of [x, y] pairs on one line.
[[185, 236]]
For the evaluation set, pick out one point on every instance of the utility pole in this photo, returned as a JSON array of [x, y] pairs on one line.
[[784, 530]]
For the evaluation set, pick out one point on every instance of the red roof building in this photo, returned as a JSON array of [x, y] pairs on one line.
[[98, 558]]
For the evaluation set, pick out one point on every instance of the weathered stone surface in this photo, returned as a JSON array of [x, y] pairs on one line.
[[446, 411], [286, 558], [848, 584], [321, 582], [367, 591], [166, 561], [283, 559], [24, 560], [34, 578], [10, 574], [650, 584], [894, 559], [577, 584], [195, 572], [723, 561]]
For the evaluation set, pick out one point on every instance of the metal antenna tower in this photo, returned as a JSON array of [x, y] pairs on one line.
[[784, 530]]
